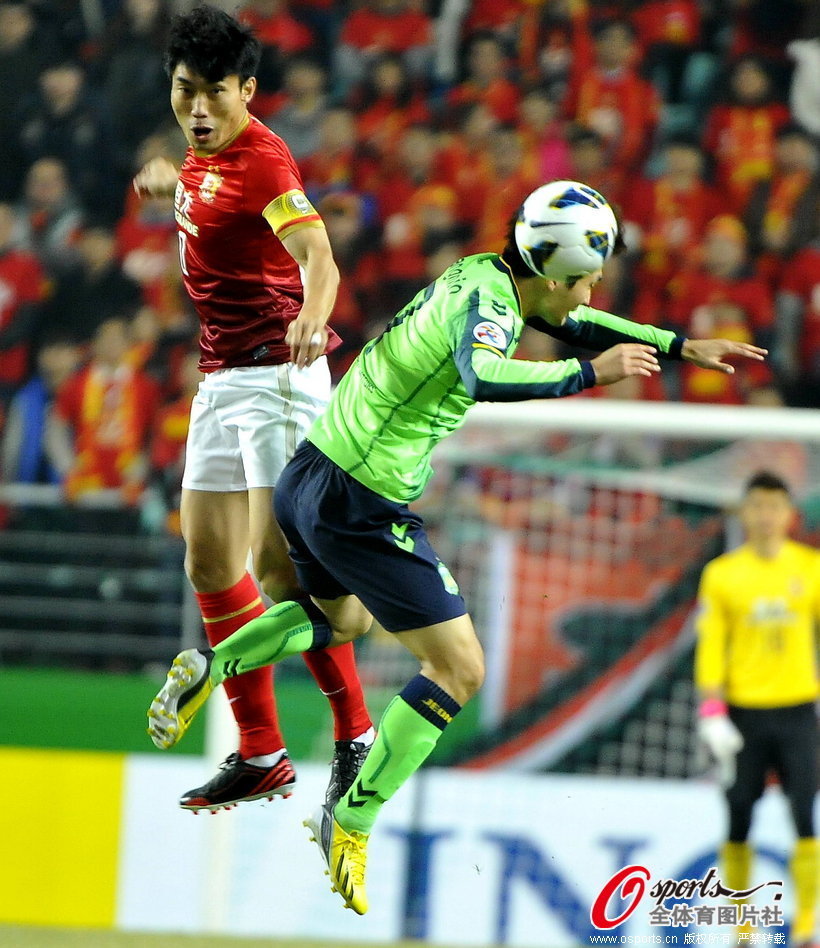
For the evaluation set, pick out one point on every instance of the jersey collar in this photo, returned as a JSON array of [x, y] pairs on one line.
[[242, 126], [503, 267]]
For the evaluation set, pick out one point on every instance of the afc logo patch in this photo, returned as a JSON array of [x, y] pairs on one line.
[[491, 334]]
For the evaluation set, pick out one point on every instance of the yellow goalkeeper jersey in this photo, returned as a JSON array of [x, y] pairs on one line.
[[757, 627]]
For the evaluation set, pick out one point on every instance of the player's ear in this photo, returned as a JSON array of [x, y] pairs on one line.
[[550, 284], [248, 89]]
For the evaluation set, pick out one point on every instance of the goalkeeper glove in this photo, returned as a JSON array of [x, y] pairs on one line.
[[721, 737]]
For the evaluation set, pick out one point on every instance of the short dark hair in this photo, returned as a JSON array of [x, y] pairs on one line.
[[212, 44], [766, 480]]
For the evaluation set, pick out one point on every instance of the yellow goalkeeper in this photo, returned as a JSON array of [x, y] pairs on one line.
[[756, 673]]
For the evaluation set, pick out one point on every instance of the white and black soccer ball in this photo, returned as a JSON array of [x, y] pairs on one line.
[[565, 229]]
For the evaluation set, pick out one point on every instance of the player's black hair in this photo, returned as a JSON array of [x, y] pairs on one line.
[[212, 44], [512, 256], [766, 480]]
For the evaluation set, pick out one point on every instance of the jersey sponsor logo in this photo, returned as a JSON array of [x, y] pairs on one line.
[[182, 198], [490, 334], [211, 183], [183, 201], [771, 610]]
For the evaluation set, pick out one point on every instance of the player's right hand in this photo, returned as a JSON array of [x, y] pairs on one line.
[[623, 361], [157, 178]]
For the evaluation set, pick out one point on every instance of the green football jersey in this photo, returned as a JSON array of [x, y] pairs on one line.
[[451, 346]]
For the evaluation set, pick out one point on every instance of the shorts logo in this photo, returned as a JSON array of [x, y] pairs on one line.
[[447, 578], [491, 334], [403, 542]]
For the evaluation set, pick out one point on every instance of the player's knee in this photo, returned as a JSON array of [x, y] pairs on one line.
[[461, 674], [207, 573], [280, 585], [472, 673], [352, 627]]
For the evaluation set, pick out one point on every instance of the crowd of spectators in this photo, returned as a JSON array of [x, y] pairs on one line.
[[418, 126]]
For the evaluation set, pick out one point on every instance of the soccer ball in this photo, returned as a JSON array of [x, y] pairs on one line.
[[565, 229]]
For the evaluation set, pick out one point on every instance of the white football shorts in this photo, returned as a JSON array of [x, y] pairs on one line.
[[247, 421]]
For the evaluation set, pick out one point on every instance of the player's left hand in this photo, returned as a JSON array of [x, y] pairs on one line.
[[710, 353], [307, 338]]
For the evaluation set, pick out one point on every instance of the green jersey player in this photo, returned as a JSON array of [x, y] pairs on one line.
[[342, 502]]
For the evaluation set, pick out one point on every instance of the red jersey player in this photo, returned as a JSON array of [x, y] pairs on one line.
[[258, 267]]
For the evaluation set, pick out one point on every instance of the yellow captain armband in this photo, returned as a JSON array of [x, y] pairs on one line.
[[290, 211]]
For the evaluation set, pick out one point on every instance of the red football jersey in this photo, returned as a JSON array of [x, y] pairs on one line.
[[21, 281], [244, 284]]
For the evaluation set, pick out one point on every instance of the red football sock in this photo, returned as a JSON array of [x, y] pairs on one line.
[[335, 672], [253, 703]]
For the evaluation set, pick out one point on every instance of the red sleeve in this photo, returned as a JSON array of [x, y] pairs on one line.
[[69, 397], [271, 172]]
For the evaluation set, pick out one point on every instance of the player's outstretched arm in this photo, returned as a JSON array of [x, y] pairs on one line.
[[623, 361], [157, 178], [597, 330], [711, 353]]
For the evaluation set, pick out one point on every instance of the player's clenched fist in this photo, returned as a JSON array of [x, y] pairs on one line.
[[158, 178], [623, 361]]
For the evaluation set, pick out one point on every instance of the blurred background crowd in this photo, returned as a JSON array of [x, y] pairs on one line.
[[418, 126]]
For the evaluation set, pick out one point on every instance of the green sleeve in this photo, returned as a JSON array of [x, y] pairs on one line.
[[483, 344], [594, 329]]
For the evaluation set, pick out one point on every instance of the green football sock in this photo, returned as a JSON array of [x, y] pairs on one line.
[[287, 628], [408, 731]]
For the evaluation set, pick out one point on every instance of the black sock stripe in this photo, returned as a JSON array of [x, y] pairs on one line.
[[322, 633], [430, 701]]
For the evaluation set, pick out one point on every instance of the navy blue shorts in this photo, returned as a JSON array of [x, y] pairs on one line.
[[346, 539]]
